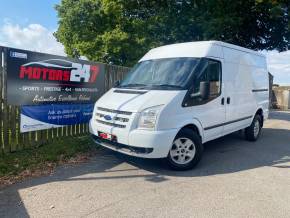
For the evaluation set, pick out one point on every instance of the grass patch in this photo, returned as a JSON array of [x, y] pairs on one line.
[[45, 157]]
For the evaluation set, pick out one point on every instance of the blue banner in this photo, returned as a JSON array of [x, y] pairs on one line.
[[52, 116]]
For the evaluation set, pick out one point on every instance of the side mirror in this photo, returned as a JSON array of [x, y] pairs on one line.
[[116, 84], [204, 90]]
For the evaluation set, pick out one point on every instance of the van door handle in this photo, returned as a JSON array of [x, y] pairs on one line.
[[223, 101], [228, 100]]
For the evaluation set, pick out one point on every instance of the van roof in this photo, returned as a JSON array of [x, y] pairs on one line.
[[195, 49], [236, 47]]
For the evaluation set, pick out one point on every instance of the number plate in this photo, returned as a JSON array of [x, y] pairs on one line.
[[107, 136]]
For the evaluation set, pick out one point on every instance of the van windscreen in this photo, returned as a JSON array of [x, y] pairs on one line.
[[166, 73]]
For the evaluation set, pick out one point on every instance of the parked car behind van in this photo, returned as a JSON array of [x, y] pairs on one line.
[[177, 97]]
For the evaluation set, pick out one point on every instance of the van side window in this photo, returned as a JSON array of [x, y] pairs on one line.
[[210, 72]]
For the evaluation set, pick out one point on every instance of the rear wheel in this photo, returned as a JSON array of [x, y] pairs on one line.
[[253, 132], [186, 150]]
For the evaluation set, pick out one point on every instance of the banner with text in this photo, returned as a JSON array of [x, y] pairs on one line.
[[52, 116], [37, 78]]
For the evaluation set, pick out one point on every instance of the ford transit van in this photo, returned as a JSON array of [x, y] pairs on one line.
[[177, 97]]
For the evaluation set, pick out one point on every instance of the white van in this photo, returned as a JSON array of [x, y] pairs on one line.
[[180, 96]]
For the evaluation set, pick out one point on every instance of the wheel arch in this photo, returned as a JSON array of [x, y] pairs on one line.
[[195, 126], [260, 112]]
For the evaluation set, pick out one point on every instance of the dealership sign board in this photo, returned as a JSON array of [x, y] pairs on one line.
[[52, 116], [35, 78]]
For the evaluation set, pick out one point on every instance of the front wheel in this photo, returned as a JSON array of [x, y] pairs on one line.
[[253, 132], [186, 150]]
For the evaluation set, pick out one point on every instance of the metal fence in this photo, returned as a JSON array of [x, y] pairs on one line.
[[12, 140]]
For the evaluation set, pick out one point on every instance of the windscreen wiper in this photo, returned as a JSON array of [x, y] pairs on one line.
[[168, 85]]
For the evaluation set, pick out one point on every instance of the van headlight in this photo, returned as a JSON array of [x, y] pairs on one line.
[[148, 118]]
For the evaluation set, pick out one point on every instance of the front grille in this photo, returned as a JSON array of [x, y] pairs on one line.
[[111, 124], [117, 118], [121, 119], [114, 111]]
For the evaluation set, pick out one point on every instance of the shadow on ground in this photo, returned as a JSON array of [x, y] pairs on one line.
[[226, 155]]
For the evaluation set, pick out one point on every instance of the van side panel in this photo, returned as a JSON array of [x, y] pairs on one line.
[[261, 89], [244, 74]]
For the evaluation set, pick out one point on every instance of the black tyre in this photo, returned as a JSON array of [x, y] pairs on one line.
[[253, 132], [186, 150]]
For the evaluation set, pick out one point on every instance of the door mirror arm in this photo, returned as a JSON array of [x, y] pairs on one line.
[[195, 95]]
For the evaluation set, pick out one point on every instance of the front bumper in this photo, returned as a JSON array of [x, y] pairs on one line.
[[122, 147], [139, 143]]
